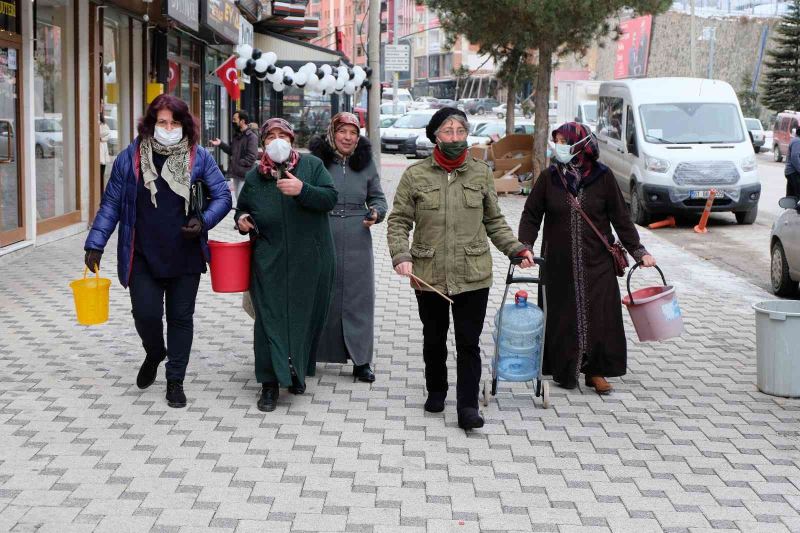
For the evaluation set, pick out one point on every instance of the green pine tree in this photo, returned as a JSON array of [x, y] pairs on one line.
[[781, 85]]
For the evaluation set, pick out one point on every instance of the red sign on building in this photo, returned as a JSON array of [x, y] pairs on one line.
[[633, 48]]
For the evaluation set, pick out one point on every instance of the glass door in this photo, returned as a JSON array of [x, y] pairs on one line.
[[12, 221]]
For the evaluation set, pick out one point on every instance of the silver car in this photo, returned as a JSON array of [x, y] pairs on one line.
[[785, 249], [756, 133]]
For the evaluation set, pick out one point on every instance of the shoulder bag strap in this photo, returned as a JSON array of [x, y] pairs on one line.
[[577, 206]]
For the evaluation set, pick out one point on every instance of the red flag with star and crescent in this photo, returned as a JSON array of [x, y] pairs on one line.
[[230, 77]]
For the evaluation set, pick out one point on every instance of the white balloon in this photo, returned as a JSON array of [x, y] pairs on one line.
[[349, 88], [340, 83], [261, 64], [358, 69], [309, 67], [327, 69], [329, 82], [241, 63], [313, 81], [278, 87], [288, 71], [300, 78], [271, 57], [276, 76], [245, 51]]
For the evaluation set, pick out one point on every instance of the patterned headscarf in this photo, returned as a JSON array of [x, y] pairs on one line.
[[585, 150], [267, 166], [338, 121], [176, 171]]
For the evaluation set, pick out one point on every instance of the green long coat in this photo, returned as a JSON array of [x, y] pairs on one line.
[[292, 268]]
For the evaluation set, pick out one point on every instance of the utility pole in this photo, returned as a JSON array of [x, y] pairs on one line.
[[396, 74], [355, 32], [691, 38], [374, 62]]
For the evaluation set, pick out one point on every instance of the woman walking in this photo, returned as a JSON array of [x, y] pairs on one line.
[[349, 331], [585, 332], [450, 202], [161, 248], [285, 203]]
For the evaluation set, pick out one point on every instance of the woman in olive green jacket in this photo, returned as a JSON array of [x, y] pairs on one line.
[[450, 202]]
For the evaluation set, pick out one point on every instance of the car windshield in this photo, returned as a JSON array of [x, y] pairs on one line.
[[412, 121], [387, 122], [47, 125], [753, 123], [691, 123], [491, 128], [591, 112], [389, 109]]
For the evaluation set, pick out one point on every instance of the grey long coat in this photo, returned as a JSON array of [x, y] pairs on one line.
[[349, 331]]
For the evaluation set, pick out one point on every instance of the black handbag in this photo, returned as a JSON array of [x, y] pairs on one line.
[[199, 198]]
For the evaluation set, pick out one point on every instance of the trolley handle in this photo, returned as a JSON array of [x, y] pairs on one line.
[[515, 261]]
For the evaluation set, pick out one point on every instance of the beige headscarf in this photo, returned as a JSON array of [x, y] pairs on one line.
[[177, 171], [340, 120]]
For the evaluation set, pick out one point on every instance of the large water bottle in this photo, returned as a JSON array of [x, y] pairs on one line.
[[520, 341]]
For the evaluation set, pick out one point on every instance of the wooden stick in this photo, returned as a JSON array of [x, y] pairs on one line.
[[510, 172], [420, 280]]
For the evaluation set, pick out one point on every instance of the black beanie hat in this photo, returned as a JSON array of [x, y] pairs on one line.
[[438, 119]]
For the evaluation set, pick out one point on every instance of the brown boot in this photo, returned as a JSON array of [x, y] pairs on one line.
[[599, 383]]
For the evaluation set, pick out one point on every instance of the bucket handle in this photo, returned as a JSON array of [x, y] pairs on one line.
[[96, 272], [630, 272]]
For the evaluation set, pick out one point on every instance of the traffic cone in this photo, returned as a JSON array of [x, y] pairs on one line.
[[668, 222], [701, 227]]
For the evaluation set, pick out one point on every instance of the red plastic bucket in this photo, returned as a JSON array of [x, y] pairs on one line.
[[654, 310], [230, 266]]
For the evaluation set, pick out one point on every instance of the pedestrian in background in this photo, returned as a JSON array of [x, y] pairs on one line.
[[584, 329], [161, 249], [349, 331], [285, 203], [243, 150], [792, 168], [104, 133], [449, 200]]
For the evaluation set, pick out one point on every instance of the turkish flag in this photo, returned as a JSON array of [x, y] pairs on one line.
[[174, 76], [230, 77]]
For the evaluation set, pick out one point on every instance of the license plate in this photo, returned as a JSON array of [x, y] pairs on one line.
[[702, 195], [392, 146]]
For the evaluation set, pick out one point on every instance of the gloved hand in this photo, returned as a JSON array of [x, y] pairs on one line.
[[92, 259], [192, 229]]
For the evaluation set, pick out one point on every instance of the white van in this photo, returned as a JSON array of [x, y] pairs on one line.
[[670, 140], [403, 95]]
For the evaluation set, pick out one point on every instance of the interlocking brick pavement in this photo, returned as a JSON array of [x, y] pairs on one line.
[[685, 443]]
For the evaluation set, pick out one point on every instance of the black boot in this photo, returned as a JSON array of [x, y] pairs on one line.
[[148, 371], [469, 418], [296, 387], [269, 397], [175, 396], [364, 373], [435, 401]]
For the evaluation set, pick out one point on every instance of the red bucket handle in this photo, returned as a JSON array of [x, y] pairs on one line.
[[634, 267]]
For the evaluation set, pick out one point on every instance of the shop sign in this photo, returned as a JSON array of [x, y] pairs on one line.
[[184, 11], [223, 17], [8, 15]]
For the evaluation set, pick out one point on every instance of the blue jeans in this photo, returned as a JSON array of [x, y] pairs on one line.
[[147, 305]]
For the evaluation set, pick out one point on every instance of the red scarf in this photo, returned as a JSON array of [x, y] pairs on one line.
[[267, 166], [449, 164]]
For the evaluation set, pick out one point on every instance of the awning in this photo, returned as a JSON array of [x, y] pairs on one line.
[[291, 50]]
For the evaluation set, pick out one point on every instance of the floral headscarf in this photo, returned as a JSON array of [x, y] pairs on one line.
[[267, 166], [338, 121], [585, 149]]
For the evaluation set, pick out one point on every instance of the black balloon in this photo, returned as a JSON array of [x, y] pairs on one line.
[[351, 73], [256, 53], [367, 84], [261, 77], [320, 73], [271, 69], [251, 64], [368, 70], [287, 80]]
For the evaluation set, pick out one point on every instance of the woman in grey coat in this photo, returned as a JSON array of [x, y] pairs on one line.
[[349, 331]]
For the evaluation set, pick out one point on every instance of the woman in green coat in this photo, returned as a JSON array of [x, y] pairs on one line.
[[284, 205]]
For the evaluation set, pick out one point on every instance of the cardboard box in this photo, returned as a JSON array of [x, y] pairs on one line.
[[480, 151], [510, 184], [513, 150]]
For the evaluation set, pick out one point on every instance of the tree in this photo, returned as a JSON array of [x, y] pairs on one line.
[[748, 98], [781, 86], [543, 27]]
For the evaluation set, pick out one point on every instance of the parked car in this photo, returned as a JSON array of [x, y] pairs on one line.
[[756, 132], [49, 135], [390, 109], [8, 146], [669, 141], [403, 95], [424, 146], [424, 102], [385, 123], [491, 131], [785, 249], [444, 102], [481, 106], [782, 133], [500, 111], [401, 137]]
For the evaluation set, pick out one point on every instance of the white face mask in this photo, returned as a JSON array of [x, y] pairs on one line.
[[279, 150], [563, 152], [168, 137]]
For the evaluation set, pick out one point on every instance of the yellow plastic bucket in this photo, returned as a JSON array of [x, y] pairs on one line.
[[91, 298]]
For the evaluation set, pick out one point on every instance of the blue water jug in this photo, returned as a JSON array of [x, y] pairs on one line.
[[520, 341]]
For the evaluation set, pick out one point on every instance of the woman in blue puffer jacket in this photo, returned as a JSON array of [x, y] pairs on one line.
[[161, 249]]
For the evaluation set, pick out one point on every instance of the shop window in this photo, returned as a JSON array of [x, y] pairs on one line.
[[114, 87], [56, 188], [433, 66], [310, 115], [421, 67]]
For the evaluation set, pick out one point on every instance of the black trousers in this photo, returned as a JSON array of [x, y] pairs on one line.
[[147, 303], [793, 184], [469, 311]]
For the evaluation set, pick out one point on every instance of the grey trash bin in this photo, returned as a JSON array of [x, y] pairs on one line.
[[778, 347]]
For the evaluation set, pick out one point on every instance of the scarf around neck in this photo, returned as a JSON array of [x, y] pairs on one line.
[[449, 164], [268, 167], [176, 171]]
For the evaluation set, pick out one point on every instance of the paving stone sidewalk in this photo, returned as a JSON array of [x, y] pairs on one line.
[[685, 443]]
